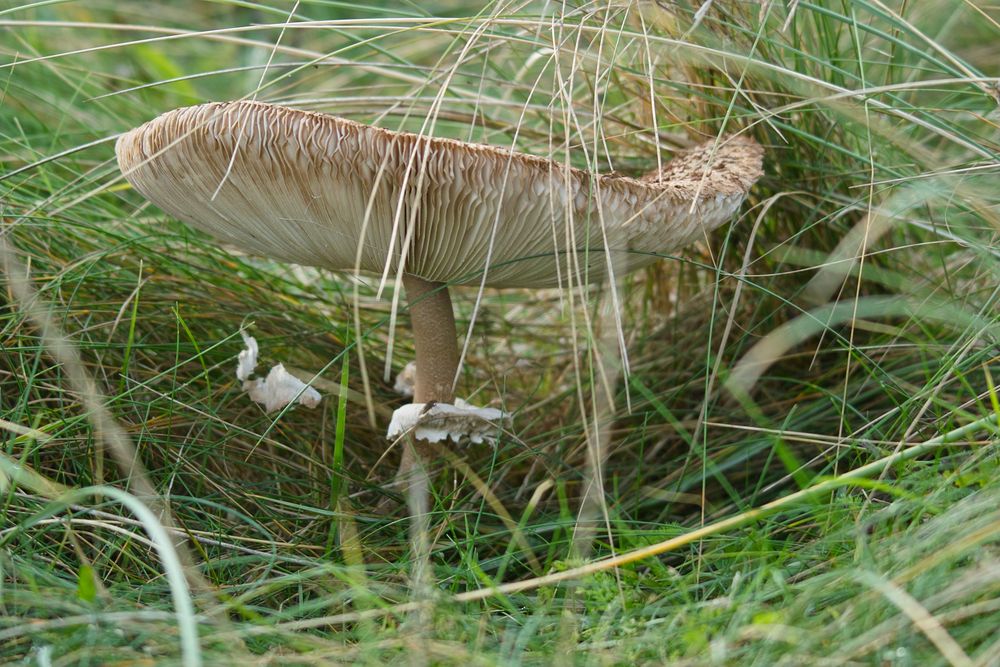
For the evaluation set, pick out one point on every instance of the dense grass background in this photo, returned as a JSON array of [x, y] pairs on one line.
[[863, 276]]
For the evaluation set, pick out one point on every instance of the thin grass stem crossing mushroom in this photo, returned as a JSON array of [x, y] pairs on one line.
[[329, 192]]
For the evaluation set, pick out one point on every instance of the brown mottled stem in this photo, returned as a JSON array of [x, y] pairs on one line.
[[436, 345], [434, 339]]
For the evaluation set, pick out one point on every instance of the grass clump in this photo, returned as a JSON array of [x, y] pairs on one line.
[[849, 314]]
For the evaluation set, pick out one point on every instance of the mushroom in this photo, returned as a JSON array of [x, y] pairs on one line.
[[329, 192]]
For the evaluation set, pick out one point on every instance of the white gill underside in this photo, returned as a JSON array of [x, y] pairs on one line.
[[341, 195]]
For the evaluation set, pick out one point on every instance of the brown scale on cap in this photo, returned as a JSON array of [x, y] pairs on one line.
[[329, 192]]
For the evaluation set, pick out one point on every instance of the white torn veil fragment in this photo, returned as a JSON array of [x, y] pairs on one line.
[[406, 380], [278, 389], [247, 361], [435, 422]]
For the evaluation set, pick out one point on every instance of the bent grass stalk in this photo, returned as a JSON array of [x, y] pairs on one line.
[[173, 568]]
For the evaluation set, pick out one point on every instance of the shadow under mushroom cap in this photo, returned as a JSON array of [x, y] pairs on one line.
[[316, 189]]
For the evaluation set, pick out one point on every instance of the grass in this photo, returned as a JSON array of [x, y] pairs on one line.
[[850, 313]]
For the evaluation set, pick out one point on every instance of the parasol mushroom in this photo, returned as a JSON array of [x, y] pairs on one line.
[[329, 192]]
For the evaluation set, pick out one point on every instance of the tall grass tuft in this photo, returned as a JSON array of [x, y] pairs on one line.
[[150, 513]]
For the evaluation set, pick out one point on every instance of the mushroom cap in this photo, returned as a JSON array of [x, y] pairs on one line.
[[325, 191]]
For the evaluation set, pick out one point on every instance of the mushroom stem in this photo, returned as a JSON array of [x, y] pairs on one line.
[[434, 339]]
